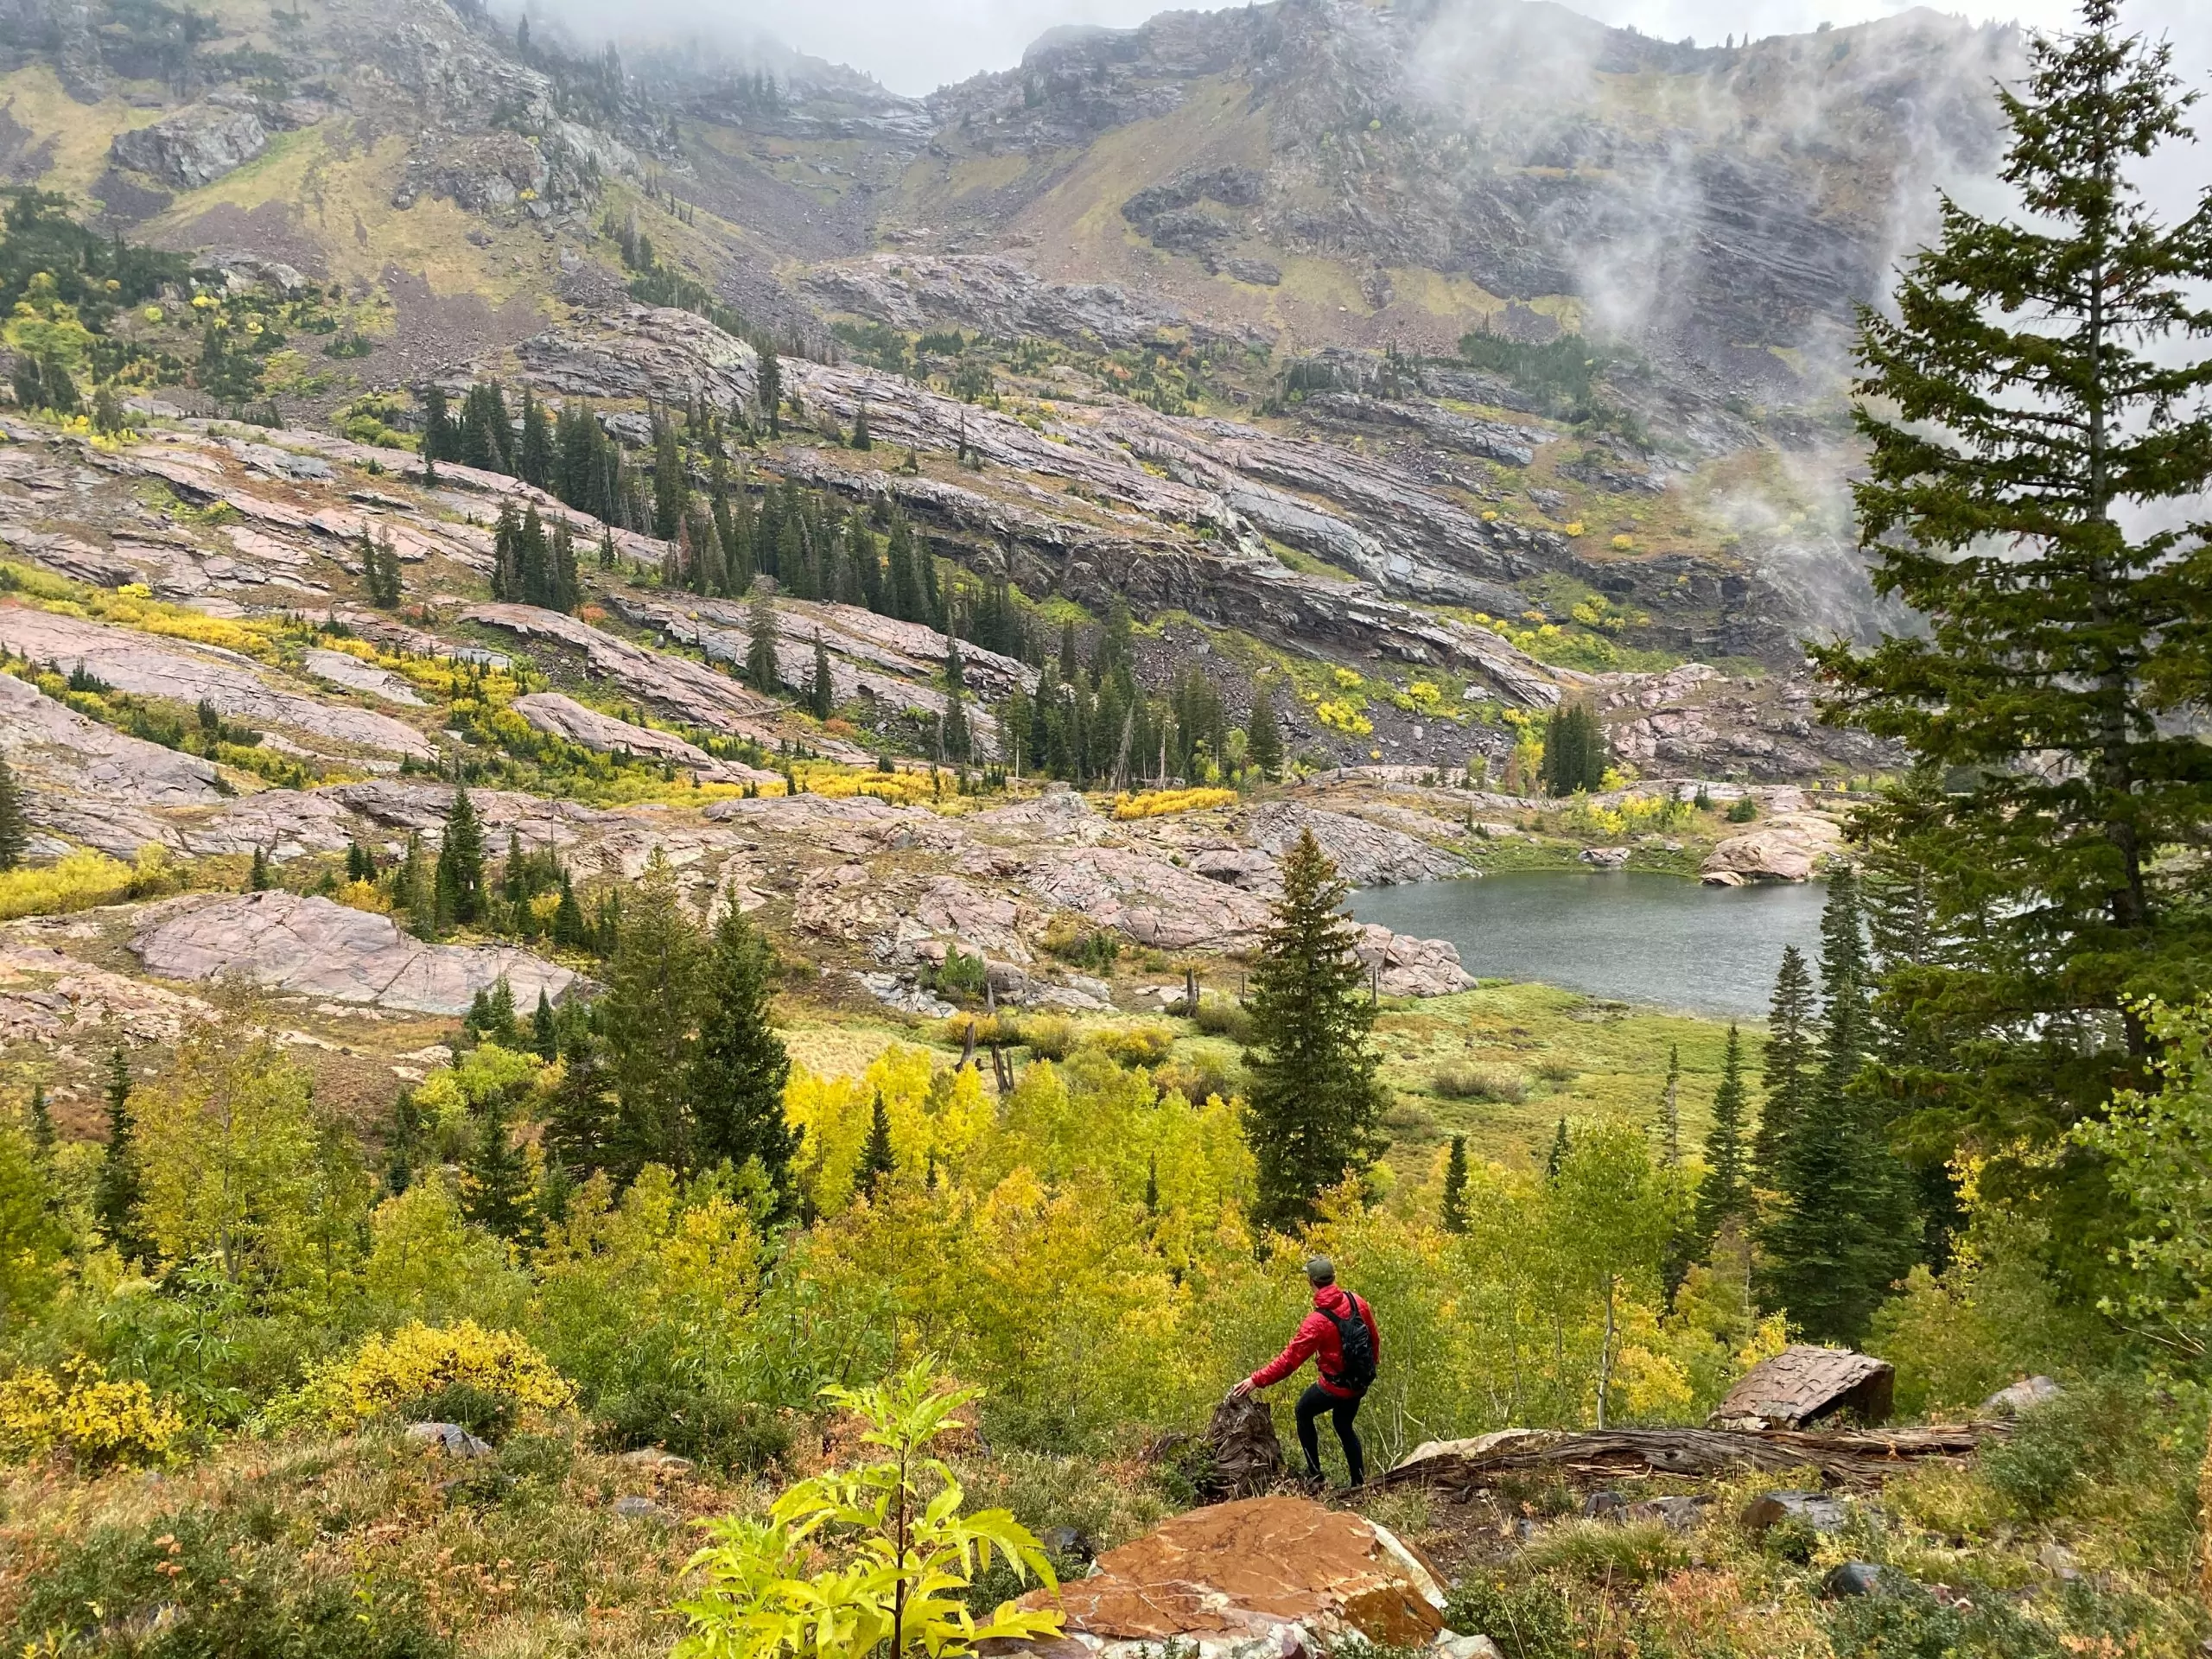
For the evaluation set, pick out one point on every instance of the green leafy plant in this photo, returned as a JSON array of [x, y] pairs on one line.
[[864, 1560]]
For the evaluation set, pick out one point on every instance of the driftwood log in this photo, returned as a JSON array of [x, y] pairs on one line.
[[1843, 1458]]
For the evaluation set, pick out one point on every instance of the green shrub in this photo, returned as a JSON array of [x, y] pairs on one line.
[[1465, 1080], [483, 1413], [1601, 1552], [960, 975], [1222, 1016], [1527, 1620], [1742, 809], [192, 1582], [706, 1426]]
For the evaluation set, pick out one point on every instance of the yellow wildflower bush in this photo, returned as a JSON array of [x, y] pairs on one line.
[[1343, 717], [95, 1421], [78, 881], [1162, 802], [418, 1360], [367, 896]]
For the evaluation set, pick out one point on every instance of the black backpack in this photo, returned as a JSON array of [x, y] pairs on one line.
[[1355, 1367]]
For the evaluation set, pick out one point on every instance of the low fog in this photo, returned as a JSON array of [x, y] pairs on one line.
[[915, 46]]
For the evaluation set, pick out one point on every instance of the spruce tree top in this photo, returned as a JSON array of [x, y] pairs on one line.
[[2037, 412]]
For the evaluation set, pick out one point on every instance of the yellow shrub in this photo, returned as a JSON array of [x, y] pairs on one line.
[[1343, 717], [78, 882], [96, 1422], [367, 896], [1347, 679], [420, 1359], [1159, 803]]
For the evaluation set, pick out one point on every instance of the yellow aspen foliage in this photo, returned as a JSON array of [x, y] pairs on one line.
[[386, 1373], [96, 1423]]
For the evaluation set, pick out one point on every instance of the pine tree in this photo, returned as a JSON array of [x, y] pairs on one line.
[[739, 1068], [115, 1199], [14, 830], [1314, 1101], [497, 1191], [570, 930], [42, 1125], [1575, 752], [1557, 1155], [862, 440], [2037, 415], [821, 692], [544, 1033], [440, 442], [672, 489], [257, 879], [1788, 1078], [877, 1163], [1455, 1187], [461, 866], [415, 890], [771, 396], [534, 459], [1263, 736], [1670, 1110], [1841, 1229], [650, 1015], [761, 672], [1724, 1190]]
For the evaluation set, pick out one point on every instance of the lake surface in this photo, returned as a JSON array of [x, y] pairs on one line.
[[1637, 937]]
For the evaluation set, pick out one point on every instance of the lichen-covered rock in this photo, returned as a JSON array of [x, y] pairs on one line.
[[193, 147], [190, 674], [1366, 854], [1789, 847], [284, 942]]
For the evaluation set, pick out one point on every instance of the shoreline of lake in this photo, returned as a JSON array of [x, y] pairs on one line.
[[1630, 935]]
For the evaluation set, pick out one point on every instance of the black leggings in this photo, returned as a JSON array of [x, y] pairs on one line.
[[1310, 1404]]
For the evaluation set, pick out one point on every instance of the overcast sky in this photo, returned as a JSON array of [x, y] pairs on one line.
[[915, 46]]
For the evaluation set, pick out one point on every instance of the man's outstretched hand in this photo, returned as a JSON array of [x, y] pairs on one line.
[[1240, 1388]]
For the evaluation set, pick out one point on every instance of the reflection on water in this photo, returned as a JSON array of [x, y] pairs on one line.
[[1617, 933]]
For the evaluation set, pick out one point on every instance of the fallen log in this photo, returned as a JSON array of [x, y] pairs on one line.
[[1842, 1457]]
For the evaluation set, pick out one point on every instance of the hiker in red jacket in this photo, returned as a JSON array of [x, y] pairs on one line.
[[1341, 1336]]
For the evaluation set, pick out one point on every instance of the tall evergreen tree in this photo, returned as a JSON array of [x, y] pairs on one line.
[[1557, 1155], [460, 879], [877, 1164], [544, 1032], [257, 880], [41, 1124], [1789, 1079], [496, 1193], [15, 829], [1264, 735], [115, 1197], [822, 690], [414, 890], [2037, 419], [671, 487], [1575, 752], [1312, 1107], [1724, 1190], [761, 672], [1455, 1187], [770, 398], [740, 1067], [534, 454], [440, 440], [650, 1015]]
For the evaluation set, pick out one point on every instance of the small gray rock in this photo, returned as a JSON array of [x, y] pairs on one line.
[[1865, 1578], [1813, 1510], [2023, 1397], [1069, 1543], [1449, 1644], [449, 1438], [634, 1508], [1605, 1506], [1676, 1514]]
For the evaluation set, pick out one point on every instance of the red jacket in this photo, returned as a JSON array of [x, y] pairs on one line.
[[1316, 1337]]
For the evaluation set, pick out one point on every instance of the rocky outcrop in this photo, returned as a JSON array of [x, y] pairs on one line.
[[284, 942], [642, 351], [56, 748], [1366, 854], [193, 147], [1789, 847], [191, 674], [564, 717], [47, 997], [355, 674], [996, 295], [690, 692], [1152, 901], [1408, 966], [1517, 446]]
